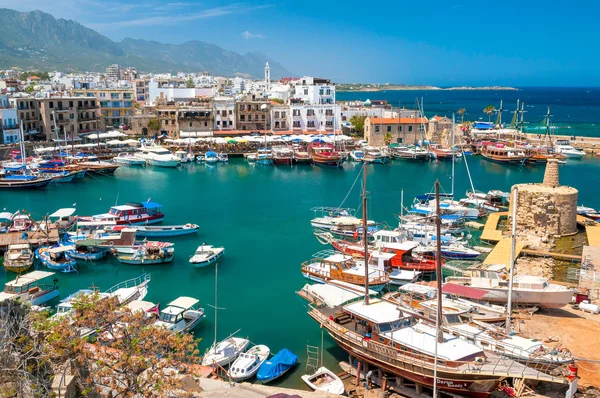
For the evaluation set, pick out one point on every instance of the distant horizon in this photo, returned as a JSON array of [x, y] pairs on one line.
[[446, 45]]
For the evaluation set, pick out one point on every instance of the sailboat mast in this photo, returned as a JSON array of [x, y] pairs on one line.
[[453, 154], [365, 235], [512, 258], [57, 136], [216, 302], [438, 261], [22, 146]]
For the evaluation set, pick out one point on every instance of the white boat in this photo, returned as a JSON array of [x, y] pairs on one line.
[[325, 380], [129, 159], [56, 258], [181, 315], [409, 152], [401, 277], [225, 352], [490, 283], [211, 157], [26, 288], [251, 157], [182, 156], [223, 157], [564, 147], [374, 155], [200, 158], [147, 256], [166, 230], [206, 255], [247, 363], [357, 155], [156, 155]]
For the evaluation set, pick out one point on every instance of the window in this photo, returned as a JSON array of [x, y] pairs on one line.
[[263, 116], [296, 124], [400, 140], [283, 115], [296, 112], [224, 113], [241, 107], [311, 124], [276, 125], [409, 129], [231, 112], [377, 129], [399, 129], [126, 95], [421, 128], [231, 123], [114, 95], [172, 121], [329, 124], [276, 115], [310, 112], [249, 107], [320, 91], [389, 129], [305, 91], [70, 104], [242, 118], [205, 124], [328, 91], [51, 104], [255, 117], [283, 124], [218, 123]]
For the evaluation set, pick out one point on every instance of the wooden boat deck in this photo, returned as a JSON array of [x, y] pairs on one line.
[[490, 232], [592, 230], [35, 238], [501, 253]]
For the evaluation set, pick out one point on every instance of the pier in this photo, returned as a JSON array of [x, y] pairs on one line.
[[501, 252], [34, 238], [490, 232]]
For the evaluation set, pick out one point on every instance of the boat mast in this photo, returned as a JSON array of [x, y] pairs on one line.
[[57, 136], [22, 148], [438, 274], [365, 236], [547, 136], [453, 159], [216, 302], [512, 258]]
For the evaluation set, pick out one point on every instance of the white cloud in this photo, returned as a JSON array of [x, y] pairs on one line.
[[249, 35]]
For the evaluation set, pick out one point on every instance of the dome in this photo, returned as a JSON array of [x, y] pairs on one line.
[[367, 102]]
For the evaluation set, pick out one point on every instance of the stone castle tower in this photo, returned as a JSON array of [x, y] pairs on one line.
[[548, 209]]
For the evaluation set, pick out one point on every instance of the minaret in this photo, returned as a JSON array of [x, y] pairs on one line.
[[268, 76]]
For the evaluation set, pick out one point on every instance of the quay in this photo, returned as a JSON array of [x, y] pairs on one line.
[[34, 238]]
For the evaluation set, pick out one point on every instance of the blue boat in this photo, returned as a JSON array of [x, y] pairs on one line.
[[56, 258], [211, 157], [83, 251], [276, 367]]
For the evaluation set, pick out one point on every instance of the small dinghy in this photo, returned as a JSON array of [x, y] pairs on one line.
[[82, 251], [206, 255], [225, 352], [56, 258], [147, 255], [18, 258], [166, 230], [324, 380], [277, 366], [248, 363]]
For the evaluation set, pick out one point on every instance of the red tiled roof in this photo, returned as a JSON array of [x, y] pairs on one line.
[[226, 133], [464, 291], [398, 120]]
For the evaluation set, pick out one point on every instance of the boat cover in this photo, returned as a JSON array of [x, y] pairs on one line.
[[464, 291], [151, 205], [274, 367]]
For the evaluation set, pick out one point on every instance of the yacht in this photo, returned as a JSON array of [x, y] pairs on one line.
[[156, 155], [564, 147], [129, 159], [181, 315]]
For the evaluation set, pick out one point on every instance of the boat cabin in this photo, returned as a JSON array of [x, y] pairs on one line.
[[179, 314], [134, 210], [27, 287], [63, 218]]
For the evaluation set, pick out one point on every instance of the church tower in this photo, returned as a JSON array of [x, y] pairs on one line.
[[268, 76]]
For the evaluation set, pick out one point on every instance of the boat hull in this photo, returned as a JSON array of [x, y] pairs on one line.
[[132, 261], [165, 232], [212, 260], [67, 266], [163, 163], [38, 183]]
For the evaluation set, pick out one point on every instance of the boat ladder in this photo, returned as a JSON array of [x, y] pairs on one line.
[[312, 358]]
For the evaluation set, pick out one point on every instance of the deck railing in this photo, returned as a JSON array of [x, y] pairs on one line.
[[130, 283]]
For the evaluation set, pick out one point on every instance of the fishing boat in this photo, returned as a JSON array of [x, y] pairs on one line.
[[490, 282], [211, 157], [283, 155], [324, 380], [357, 155], [375, 156], [138, 213], [147, 256], [223, 157], [26, 288], [437, 152], [503, 154], [247, 363], [588, 212], [302, 156], [166, 231], [200, 158], [206, 255], [56, 258], [182, 156], [264, 156], [129, 159], [18, 257], [277, 366], [564, 147], [81, 251], [20, 222], [16, 181], [412, 152], [326, 155], [156, 155], [328, 265], [181, 315]]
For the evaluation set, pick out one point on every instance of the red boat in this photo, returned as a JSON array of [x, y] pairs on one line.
[[131, 214], [283, 155], [326, 155], [403, 257], [439, 153]]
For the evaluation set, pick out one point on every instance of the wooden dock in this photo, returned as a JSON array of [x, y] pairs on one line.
[[490, 232], [35, 238], [557, 256], [501, 252]]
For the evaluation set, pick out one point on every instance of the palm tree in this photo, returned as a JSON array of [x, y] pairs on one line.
[[387, 138], [461, 112], [489, 110]]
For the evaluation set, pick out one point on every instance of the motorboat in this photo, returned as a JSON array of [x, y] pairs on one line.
[[374, 155], [564, 147], [247, 363], [283, 155], [324, 380], [588, 212], [147, 256], [490, 282], [426, 206], [451, 251], [56, 258], [82, 251], [264, 156], [200, 158], [26, 288], [409, 153], [250, 157], [18, 257], [223, 157], [225, 352], [129, 159], [277, 366], [166, 230], [206, 255], [357, 155], [137, 213], [211, 157], [502, 154], [20, 223], [156, 155], [181, 315], [437, 152], [182, 156], [401, 277]]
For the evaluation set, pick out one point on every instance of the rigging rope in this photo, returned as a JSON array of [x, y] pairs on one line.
[[351, 188]]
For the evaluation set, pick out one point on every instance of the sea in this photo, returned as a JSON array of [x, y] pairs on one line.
[[261, 215], [575, 110]]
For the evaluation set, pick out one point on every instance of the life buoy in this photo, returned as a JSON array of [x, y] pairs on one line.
[[111, 243]]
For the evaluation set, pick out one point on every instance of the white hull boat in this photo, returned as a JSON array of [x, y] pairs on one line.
[[324, 380], [206, 255], [246, 365], [225, 352]]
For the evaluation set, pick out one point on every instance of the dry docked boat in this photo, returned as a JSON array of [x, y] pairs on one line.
[[18, 258], [325, 380], [502, 154], [490, 282], [328, 265], [247, 363], [225, 352], [131, 214], [27, 289], [181, 315]]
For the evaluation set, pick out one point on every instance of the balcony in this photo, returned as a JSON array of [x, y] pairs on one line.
[[59, 110], [88, 106], [10, 126], [87, 119], [63, 121]]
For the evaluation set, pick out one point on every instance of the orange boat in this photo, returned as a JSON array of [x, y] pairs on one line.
[[326, 155]]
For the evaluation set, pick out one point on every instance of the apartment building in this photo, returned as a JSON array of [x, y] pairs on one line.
[[28, 112], [224, 113], [313, 91], [113, 73], [117, 104], [280, 117], [9, 123], [142, 89], [253, 115], [314, 119]]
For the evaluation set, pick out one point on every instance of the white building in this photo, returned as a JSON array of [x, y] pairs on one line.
[[113, 73], [313, 91], [175, 93], [10, 123], [224, 113], [279, 91], [239, 85], [314, 119]]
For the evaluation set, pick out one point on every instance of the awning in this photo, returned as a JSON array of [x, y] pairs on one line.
[[195, 134], [63, 212], [464, 291]]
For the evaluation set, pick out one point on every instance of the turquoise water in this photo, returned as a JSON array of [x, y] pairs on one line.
[[261, 216], [575, 110]]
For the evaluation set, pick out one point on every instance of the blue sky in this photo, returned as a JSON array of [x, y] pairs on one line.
[[520, 43]]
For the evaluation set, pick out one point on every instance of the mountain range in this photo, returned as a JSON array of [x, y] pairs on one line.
[[37, 40]]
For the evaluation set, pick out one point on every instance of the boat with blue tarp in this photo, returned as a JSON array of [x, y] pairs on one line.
[[277, 366]]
